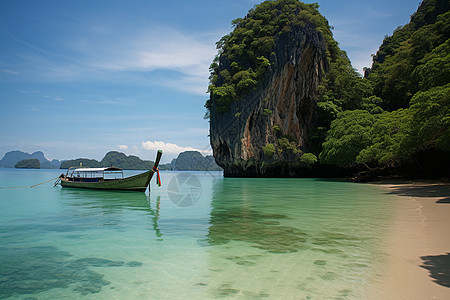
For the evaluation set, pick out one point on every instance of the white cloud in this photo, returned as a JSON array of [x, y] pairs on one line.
[[123, 147], [189, 56], [171, 148], [125, 56], [170, 49], [186, 56]]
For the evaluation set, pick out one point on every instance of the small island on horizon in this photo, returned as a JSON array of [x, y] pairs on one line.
[[186, 161]]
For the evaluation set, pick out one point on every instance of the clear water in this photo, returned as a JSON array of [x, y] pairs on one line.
[[198, 236]]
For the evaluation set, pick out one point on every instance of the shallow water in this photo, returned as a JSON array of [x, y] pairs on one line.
[[199, 236]]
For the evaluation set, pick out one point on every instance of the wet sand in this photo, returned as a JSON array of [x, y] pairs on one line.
[[417, 263]]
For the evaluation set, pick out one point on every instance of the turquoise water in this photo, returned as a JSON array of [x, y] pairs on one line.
[[198, 236]]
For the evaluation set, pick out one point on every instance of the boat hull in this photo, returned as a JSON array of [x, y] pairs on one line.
[[134, 183]]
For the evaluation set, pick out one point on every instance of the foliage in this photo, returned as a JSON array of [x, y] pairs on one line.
[[435, 67], [343, 85], [277, 130], [31, 163], [342, 89], [350, 133], [267, 112], [410, 109], [387, 134], [371, 104], [244, 58], [430, 119], [244, 54], [327, 111], [289, 145], [308, 160], [398, 67], [269, 150], [402, 108], [394, 137]]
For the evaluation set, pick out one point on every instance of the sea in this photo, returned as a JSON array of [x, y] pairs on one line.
[[197, 236]]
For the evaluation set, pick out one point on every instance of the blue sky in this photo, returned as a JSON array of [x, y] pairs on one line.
[[81, 78]]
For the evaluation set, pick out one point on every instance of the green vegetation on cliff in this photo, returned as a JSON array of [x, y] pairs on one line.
[[394, 116], [246, 54], [31, 163], [399, 66], [409, 111]]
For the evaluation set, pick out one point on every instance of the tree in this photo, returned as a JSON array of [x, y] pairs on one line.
[[398, 67], [308, 160], [387, 135], [435, 68], [349, 134], [430, 120]]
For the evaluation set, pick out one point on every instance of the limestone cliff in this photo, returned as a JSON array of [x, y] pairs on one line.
[[266, 131]]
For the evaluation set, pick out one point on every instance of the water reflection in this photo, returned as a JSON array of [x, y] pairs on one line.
[[112, 206], [239, 216], [108, 200]]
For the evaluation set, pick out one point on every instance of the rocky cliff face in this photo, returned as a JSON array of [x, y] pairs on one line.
[[266, 131]]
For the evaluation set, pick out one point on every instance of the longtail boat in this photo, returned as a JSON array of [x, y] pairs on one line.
[[110, 178]]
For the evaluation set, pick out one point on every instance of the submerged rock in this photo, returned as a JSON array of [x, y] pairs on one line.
[[26, 271]]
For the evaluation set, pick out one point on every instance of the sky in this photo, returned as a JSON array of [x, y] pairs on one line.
[[81, 78]]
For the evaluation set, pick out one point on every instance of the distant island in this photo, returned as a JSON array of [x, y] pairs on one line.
[[112, 158], [11, 158], [186, 161], [31, 163], [192, 161]]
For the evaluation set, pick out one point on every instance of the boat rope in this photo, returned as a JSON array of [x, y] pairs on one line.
[[158, 178], [28, 186]]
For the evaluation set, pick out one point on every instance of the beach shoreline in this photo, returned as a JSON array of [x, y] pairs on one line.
[[418, 243]]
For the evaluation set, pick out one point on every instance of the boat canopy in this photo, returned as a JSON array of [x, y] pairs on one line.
[[105, 173], [111, 169]]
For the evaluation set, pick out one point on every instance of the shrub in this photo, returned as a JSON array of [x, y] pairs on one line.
[[269, 150]]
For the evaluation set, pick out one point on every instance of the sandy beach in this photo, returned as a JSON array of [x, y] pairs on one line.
[[418, 244]]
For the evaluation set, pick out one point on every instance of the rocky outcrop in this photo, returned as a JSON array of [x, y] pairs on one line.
[[265, 132], [11, 158], [191, 161], [32, 163]]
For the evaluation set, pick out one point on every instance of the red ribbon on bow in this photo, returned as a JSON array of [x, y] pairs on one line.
[[158, 178]]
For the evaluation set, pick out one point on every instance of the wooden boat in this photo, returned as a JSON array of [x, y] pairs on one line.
[[110, 178]]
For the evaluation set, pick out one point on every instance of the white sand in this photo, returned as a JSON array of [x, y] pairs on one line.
[[418, 246]]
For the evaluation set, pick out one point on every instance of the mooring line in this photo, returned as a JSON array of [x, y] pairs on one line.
[[28, 186]]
